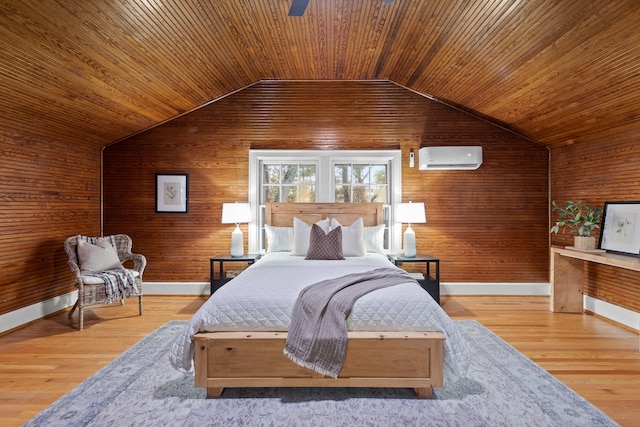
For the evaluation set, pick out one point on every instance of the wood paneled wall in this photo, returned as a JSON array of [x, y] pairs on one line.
[[489, 225], [49, 190], [605, 168]]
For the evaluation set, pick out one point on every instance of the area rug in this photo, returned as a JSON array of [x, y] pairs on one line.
[[140, 388]]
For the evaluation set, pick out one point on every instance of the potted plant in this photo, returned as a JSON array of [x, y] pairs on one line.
[[579, 218]]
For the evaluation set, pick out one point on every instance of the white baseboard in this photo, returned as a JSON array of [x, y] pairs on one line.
[[33, 312], [479, 288], [618, 314], [176, 288], [24, 315]]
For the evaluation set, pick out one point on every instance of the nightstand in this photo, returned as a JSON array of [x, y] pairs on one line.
[[221, 259], [430, 283]]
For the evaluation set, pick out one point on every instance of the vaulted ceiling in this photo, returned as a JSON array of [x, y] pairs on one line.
[[98, 71]]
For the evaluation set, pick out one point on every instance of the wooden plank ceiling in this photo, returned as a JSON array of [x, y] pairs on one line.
[[554, 71]]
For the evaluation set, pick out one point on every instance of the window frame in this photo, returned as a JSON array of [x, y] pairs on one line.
[[325, 190]]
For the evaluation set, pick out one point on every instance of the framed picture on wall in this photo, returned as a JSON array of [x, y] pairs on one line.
[[171, 192], [620, 228]]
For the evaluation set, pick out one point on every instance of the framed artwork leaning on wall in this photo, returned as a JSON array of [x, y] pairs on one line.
[[620, 231]]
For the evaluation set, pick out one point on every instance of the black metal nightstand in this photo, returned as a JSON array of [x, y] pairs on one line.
[[429, 283], [221, 259]]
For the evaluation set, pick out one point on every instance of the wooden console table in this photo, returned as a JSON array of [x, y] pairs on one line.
[[567, 275]]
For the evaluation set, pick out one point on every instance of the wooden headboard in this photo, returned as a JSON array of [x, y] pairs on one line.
[[281, 214]]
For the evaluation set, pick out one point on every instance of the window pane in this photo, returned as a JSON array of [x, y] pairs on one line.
[[360, 194], [289, 193], [360, 174], [379, 174], [342, 194], [307, 174], [342, 174], [289, 174], [271, 194], [307, 193], [271, 174], [379, 194]]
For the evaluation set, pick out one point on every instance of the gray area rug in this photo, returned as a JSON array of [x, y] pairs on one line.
[[140, 388]]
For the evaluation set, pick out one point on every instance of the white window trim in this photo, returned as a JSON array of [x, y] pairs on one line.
[[326, 160]]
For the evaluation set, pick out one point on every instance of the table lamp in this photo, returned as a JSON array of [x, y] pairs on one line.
[[410, 213], [236, 213]]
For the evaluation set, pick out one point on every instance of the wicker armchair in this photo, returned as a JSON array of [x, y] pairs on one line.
[[92, 290]]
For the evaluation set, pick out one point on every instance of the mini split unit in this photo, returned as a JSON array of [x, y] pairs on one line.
[[450, 158]]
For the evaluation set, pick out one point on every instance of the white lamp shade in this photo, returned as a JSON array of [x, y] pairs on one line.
[[411, 213], [236, 213]]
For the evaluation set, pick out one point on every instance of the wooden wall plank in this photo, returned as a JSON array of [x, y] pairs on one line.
[[49, 190], [606, 168], [488, 225]]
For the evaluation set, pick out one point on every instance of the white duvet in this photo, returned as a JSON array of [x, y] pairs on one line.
[[261, 298]]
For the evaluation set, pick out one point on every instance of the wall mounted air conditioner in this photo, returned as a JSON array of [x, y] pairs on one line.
[[450, 158]]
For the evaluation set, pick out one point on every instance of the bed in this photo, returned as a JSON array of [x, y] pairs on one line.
[[398, 336]]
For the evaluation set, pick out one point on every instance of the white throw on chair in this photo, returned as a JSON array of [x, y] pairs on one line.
[[101, 276]]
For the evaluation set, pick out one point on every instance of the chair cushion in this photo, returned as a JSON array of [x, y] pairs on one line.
[[93, 280], [99, 257]]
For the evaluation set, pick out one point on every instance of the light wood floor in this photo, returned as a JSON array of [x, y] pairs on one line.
[[599, 360]]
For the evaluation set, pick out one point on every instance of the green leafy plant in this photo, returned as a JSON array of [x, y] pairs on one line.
[[576, 217]]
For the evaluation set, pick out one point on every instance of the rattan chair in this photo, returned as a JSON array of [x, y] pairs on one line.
[[93, 291]]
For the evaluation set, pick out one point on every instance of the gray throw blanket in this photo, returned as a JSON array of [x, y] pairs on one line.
[[120, 283], [317, 337]]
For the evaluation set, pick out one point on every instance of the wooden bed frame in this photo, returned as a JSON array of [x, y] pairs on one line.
[[374, 359]]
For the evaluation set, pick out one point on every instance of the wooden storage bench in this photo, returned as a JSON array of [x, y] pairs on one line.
[[374, 359]]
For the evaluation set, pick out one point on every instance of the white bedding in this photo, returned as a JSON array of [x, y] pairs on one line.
[[261, 298]]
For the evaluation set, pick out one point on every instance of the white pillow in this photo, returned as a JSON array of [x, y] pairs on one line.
[[301, 232], [279, 239], [99, 257], [374, 239], [352, 237]]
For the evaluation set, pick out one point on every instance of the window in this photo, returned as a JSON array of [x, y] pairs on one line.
[[361, 182], [288, 182], [296, 176]]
